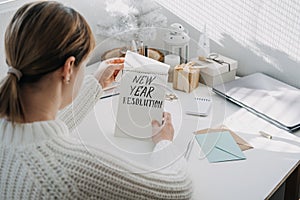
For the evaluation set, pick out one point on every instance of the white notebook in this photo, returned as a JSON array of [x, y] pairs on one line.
[[142, 94], [199, 106]]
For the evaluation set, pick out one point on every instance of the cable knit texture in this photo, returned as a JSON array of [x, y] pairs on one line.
[[73, 114], [41, 161]]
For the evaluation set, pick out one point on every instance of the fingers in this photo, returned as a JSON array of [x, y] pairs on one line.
[[155, 124], [109, 74], [167, 117], [112, 70], [116, 67], [163, 131]]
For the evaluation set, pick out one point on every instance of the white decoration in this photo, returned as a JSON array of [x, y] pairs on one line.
[[131, 19]]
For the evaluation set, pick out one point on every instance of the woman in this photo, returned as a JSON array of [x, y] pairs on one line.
[[47, 46]]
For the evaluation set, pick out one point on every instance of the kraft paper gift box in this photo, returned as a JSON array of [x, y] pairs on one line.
[[186, 78], [217, 71]]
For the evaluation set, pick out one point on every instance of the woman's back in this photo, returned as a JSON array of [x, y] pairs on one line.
[[38, 163]]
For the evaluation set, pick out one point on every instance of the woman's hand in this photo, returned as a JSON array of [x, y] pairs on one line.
[[164, 131], [107, 75]]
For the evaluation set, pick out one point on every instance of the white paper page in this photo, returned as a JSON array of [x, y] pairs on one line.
[[142, 94]]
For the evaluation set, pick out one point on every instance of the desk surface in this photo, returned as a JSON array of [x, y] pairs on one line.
[[267, 165]]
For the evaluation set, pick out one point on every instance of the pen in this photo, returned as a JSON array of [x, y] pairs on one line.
[[196, 114], [146, 51], [266, 135], [189, 148], [111, 95]]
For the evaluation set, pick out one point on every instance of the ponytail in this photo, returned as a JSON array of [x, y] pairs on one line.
[[28, 48], [10, 101]]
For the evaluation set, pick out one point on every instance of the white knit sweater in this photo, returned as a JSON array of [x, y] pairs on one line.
[[41, 161]]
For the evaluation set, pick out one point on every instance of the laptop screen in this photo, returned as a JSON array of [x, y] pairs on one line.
[[266, 97]]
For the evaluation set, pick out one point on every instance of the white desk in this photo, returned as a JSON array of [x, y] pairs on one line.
[[267, 166]]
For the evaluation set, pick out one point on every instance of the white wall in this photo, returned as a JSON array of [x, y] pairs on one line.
[[276, 61], [92, 10], [262, 35], [6, 12]]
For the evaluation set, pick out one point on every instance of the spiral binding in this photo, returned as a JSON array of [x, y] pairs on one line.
[[201, 99]]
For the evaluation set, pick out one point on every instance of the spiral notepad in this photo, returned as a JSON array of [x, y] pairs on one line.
[[141, 98], [199, 106]]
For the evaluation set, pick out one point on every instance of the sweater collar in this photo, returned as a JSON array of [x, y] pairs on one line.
[[28, 133]]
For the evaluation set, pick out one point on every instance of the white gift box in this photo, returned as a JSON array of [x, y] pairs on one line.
[[218, 70]]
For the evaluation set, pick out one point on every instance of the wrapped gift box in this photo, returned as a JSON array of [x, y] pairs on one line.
[[218, 70], [186, 78]]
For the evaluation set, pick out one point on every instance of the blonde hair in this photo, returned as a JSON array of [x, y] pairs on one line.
[[38, 40]]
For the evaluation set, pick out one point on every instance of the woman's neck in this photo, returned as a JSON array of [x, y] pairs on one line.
[[40, 104]]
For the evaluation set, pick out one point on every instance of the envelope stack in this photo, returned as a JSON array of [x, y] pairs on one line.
[[221, 144]]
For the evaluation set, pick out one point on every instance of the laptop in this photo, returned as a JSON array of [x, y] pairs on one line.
[[268, 98]]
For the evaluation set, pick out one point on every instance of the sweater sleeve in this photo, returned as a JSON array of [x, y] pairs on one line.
[[88, 96], [105, 176]]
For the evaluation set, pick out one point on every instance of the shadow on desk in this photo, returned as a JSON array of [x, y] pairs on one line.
[[289, 187], [285, 147], [296, 143]]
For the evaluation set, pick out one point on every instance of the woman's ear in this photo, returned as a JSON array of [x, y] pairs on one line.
[[68, 69]]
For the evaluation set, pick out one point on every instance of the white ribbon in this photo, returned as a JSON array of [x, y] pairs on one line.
[[16, 72]]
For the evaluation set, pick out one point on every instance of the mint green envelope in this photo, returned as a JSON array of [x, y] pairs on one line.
[[219, 147]]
